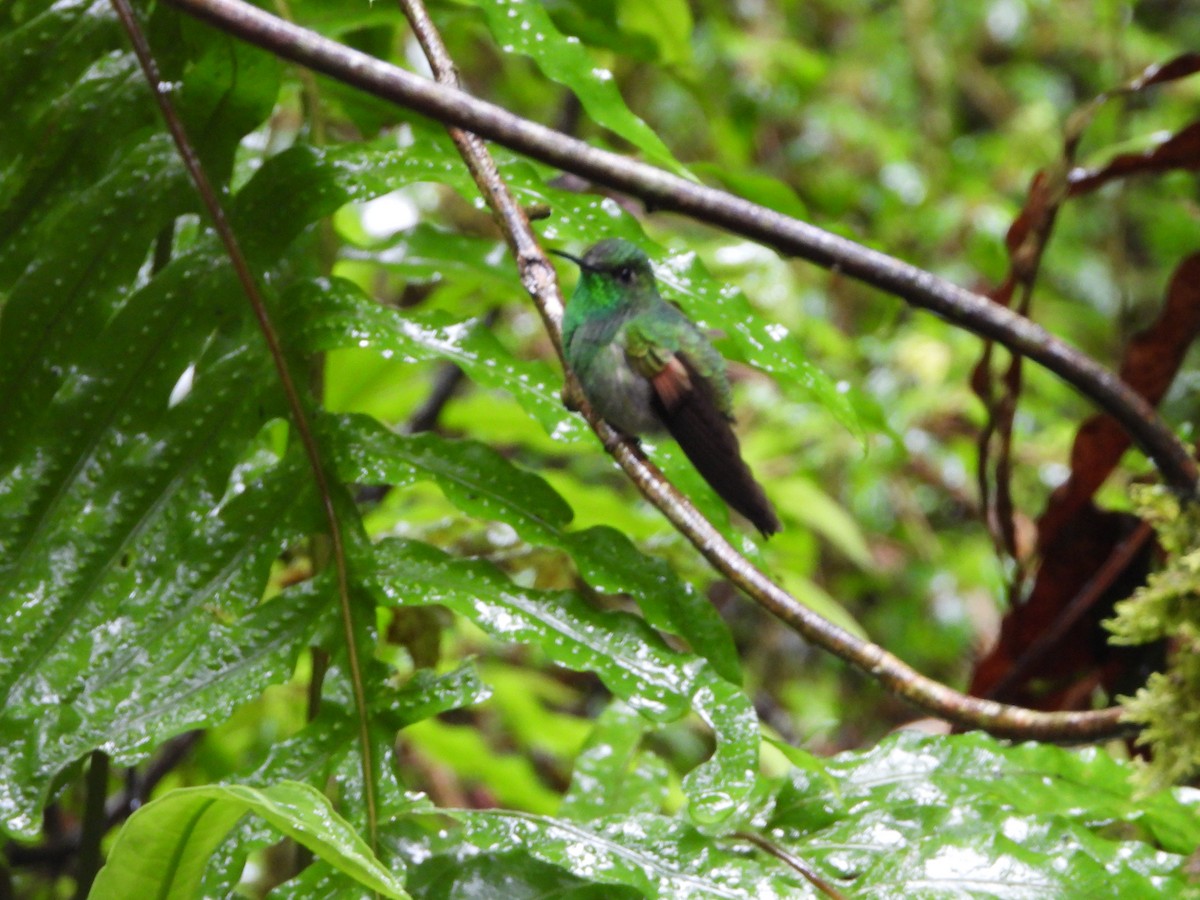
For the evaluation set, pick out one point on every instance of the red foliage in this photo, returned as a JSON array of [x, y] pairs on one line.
[[1052, 650]]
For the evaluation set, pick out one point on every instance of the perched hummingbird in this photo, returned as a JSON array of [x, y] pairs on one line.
[[646, 367]]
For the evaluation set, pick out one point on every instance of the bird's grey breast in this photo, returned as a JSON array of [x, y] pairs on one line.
[[615, 390]]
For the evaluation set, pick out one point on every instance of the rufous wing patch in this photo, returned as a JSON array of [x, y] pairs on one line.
[[672, 383]]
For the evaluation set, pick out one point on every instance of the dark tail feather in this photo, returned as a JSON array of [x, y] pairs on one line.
[[707, 438]]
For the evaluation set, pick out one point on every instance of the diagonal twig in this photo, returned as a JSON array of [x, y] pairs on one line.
[[537, 276]]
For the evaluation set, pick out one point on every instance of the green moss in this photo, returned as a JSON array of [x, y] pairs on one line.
[[1167, 607]]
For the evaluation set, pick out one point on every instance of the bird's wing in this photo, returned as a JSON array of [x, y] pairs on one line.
[[676, 358], [692, 397]]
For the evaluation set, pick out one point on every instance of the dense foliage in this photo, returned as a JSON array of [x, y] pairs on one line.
[[545, 691]]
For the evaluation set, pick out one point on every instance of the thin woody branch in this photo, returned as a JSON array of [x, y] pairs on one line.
[[665, 191]]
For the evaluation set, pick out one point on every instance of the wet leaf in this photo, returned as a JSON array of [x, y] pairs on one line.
[[515, 876], [655, 856], [632, 660], [920, 814], [612, 775], [330, 314], [164, 847], [483, 484], [142, 504], [913, 816], [526, 28]]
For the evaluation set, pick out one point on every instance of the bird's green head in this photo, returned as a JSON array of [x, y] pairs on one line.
[[613, 268], [615, 279]]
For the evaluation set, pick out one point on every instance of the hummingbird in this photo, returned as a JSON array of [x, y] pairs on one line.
[[647, 369]]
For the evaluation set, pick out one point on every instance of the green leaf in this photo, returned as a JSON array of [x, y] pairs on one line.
[[667, 22], [66, 38], [656, 856], [811, 506], [915, 816], [526, 28], [484, 484], [141, 507], [224, 87], [1031, 820], [752, 339], [609, 562], [633, 662], [427, 254], [611, 775], [330, 314], [476, 478], [337, 19], [328, 740], [631, 659], [513, 876], [139, 644], [164, 847]]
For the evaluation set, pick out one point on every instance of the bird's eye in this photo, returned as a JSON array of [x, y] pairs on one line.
[[625, 275]]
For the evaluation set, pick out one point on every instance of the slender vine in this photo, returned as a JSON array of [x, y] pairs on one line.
[[304, 429]]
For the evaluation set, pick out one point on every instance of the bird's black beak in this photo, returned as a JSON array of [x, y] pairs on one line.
[[574, 259]]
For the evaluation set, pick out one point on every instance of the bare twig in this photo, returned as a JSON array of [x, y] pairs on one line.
[[792, 862], [665, 191], [299, 417], [446, 382], [537, 276]]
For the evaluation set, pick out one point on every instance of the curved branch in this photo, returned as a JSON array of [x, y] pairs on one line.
[[665, 191], [537, 276]]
